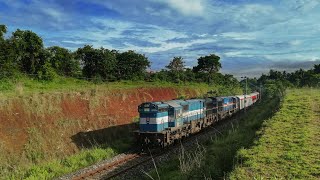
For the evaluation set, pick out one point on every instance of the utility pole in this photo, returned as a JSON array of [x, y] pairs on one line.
[[246, 85], [260, 92], [245, 96]]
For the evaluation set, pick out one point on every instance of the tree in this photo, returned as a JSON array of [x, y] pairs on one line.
[[45, 71], [3, 30], [189, 75], [131, 65], [8, 63], [176, 64], [5, 66], [97, 63], [209, 65], [28, 47], [63, 61], [176, 68], [316, 68]]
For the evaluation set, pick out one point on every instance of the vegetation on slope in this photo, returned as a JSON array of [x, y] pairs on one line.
[[289, 144], [23, 85], [39, 160]]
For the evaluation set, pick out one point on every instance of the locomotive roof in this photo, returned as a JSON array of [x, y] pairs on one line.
[[193, 100], [181, 102], [157, 104], [173, 103]]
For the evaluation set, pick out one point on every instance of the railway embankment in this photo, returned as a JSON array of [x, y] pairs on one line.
[[46, 134], [289, 143]]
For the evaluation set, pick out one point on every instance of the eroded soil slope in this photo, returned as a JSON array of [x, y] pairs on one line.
[[42, 125]]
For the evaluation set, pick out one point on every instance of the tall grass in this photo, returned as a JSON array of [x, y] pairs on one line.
[[191, 160], [23, 85]]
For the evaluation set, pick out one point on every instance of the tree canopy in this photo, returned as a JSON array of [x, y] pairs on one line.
[[208, 66], [29, 47], [131, 65], [176, 64], [63, 61], [3, 30], [97, 63]]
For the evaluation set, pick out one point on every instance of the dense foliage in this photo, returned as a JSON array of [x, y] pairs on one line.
[[24, 52], [275, 82]]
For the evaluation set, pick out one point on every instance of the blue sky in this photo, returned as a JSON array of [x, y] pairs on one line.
[[250, 36]]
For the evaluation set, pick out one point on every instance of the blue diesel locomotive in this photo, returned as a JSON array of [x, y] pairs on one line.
[[163, 123]]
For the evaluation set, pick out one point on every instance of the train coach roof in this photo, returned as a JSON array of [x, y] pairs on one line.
[[240, 96], [190, 100], [226, 97], [195, 100], [216, 98], [208, 99]]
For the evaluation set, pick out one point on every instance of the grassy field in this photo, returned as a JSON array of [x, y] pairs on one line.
[[22, 85], [215, 158], [289, 146]]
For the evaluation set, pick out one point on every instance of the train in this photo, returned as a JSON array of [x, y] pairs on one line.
[[163, 123]]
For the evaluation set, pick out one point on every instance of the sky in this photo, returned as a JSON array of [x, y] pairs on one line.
[[250, 36]]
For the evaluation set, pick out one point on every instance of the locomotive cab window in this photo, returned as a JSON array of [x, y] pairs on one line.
[[185, 108], [163, 110]]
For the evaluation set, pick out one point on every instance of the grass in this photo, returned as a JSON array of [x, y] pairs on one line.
[[289, 144], [56, 167], [23, 85], [219, 153]]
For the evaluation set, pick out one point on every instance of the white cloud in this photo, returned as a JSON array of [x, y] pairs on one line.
[[74, 42], [239, 35], [295, 42], [236, 54], [188, 7], [57, 15], [170, 46]]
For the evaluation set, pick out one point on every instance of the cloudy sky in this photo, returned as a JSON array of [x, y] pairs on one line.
[[250, 36]]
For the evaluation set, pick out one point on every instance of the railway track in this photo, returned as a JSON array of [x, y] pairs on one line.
[[107, 167], [132, 165]]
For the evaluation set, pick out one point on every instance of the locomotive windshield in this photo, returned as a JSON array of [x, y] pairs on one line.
[[147, 108], [185, 108]]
